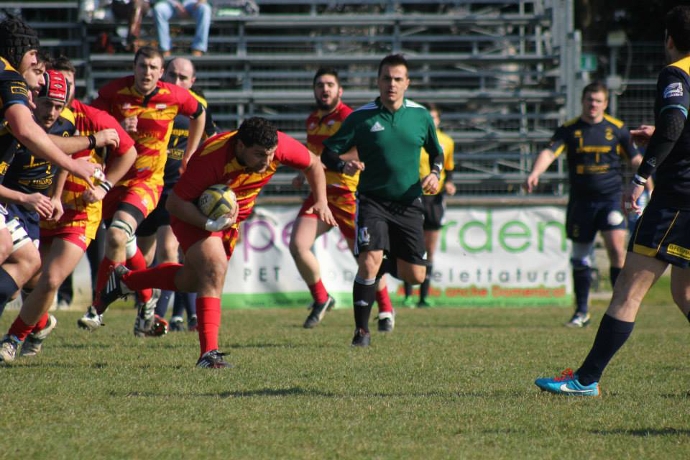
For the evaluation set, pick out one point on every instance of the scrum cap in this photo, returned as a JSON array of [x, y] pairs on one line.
[[56, 87], [16, 39]]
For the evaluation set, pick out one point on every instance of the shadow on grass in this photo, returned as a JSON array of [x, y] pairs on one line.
[[299, 391], [645, 432]]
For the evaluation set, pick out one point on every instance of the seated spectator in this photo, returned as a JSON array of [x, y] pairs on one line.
[[132, 11], [164, 10]]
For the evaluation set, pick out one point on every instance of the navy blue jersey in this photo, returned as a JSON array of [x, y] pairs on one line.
[[30, 174], [595, 155], [13, 90], [672, 180], [178, 144]]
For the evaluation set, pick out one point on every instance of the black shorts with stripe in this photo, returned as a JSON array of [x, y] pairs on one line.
[[434, 210], [662, 232], [392, 226]]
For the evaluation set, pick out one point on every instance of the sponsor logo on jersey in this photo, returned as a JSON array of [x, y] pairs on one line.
[[161, 106], [376, 128], [678, 251], [19, 90], [673, 90]]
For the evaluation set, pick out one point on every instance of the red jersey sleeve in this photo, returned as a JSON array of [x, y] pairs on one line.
[[187, 104], [291, 152]]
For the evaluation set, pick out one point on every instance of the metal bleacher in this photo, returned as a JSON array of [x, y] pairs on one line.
[[501, 72]]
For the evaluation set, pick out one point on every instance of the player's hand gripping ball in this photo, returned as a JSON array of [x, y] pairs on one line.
[[217, 200]]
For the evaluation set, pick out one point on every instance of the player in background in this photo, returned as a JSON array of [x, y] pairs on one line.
[[66, 236], [154, 235], [245, 160], [434, 208], [146, 108], [596, 145], [340, 189], [661, 236], [389, 134], [18, 52]]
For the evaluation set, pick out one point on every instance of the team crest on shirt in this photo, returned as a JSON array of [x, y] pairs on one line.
[[609, 134], [673, 90], [311, 126]]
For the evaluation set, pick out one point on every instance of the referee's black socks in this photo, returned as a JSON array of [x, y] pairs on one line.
[[363, 298]]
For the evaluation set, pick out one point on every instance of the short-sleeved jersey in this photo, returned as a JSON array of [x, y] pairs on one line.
[[215, 163], [672, 180], [89, 120], [390, 146], [448, 146], [178, 143], [30, 174], [321, 126], [594, 153], [155, 114], [13, 90]]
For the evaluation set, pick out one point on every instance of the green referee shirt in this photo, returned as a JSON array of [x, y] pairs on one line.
[[389, 144]]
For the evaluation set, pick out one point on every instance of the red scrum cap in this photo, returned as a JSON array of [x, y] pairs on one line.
[[55, 88]]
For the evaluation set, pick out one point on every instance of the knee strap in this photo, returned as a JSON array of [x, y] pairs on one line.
[[131, 245], [581, 256]]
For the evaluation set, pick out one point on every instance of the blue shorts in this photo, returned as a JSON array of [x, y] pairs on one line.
[[585, 218], [662, 233], [29, 220]]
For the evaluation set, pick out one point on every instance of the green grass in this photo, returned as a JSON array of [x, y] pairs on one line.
[[446, 384]]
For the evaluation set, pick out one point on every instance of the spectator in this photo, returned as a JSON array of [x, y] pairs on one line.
[[165, 10], [132, 11]]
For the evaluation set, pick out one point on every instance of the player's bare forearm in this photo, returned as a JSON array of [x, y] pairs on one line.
[[120, 165], [185, 210], [196, 131]]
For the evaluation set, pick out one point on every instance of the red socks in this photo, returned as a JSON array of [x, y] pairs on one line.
[[161, 277], [138, 262], [318, 292], [384, 300], [208, 315]]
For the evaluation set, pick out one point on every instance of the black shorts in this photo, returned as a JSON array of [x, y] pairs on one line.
[[392, 226], [158, 218], [662, 233], [434, 209], [585, 218]]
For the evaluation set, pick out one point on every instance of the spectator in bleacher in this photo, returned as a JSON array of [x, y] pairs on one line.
[[434, 208], [132, 11], [596, 145], [245, 160], [199, 10], [154, 235], [146, 108], [389, 134], [322, 123], [661, 236]]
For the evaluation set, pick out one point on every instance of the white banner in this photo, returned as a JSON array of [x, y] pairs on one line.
[[486, 257]]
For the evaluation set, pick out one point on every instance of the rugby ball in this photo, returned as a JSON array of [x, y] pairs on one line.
[[217, 200]]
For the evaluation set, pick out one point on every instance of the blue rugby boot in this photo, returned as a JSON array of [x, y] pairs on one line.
[[567, 384]]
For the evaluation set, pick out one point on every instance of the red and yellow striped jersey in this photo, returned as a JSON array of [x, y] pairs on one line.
[[320, 127], [155, 114]]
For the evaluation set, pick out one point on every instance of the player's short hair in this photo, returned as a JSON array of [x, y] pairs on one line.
[[595, 87], [326, 71], [258, 131], [16, 39], [148, 52], [393, 60], [678, 27], [432, 107], [63, 64]]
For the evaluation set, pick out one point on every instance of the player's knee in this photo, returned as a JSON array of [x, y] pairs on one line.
[[119, 233], [581, 256]]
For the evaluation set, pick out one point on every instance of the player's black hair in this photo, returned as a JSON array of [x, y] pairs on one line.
[[258, 131], [62, 63], [16, 39], [595, 87], [678, 27], [393, 60], [326, 71], [148, 52]]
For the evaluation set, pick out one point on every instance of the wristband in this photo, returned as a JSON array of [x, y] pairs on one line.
[[92, 141], [436, 173], [105, 185], [639, 180]]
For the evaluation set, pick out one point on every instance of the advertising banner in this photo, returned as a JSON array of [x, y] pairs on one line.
[[488, 257]]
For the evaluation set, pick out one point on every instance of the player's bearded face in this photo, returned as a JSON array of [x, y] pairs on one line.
[[327, 92], [256, 158], [47, 112]]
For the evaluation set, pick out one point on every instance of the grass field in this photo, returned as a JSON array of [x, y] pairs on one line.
[[446, 384]]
